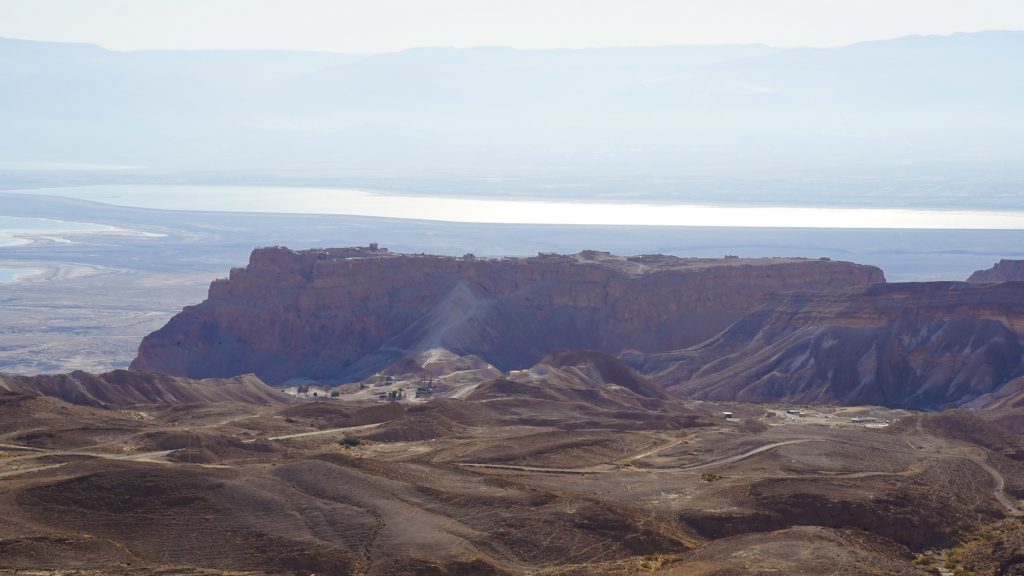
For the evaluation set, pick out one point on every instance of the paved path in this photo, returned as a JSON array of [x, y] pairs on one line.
[[21, 448], [1000, 490], [599, 468], [155, 457], [650, 451], [749, 453], [20, 471], [587, 470], [318, 432]]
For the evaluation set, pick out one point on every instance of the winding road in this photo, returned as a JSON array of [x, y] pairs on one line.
[[599, 468], [319, 432], [999, 492]]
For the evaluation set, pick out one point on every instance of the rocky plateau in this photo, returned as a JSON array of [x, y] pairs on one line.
[[342, 314]]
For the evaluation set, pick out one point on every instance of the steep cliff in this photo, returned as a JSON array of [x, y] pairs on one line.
[[1002, 271], [343, 313], [923, 345]]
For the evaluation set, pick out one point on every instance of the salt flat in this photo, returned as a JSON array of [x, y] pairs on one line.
[[554, 211]]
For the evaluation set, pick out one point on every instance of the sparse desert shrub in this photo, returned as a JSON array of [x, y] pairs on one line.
[[652, 563], [710, 477], [350, 441]]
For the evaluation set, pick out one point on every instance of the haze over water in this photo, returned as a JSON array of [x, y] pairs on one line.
[[565, 212]]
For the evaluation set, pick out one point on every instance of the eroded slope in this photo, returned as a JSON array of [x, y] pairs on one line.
[[914, 345]]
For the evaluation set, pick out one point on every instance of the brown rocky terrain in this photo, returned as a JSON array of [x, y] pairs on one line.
[[450, 458], [921, 345], [128, 387], [342, 314], [1002, 271], [996, 551], [1005, 405], [577, 465], [966, 426]]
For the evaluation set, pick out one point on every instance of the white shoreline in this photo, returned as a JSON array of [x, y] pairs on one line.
[[20, 274], [12, 235], [293, 200]]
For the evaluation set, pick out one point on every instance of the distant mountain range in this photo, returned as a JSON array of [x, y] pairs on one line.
[[702, 111]]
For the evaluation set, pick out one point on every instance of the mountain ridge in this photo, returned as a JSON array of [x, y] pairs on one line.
[[674, 109], [919, 345], [121, 388]]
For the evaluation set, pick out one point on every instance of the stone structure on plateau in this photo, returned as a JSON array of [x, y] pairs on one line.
[[341, 314]]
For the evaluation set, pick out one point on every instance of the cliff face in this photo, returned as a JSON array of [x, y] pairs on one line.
[[1002, 271], [344, 313], [924, 345]]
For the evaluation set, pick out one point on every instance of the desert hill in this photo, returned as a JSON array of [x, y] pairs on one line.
[[486, 485], [921, 345], [342, 314], [964, 426], [1004, 405], [41, 420], [567, 390], [1008, 397], [120, 388], [580, 390], [576, 465], [596, 368]]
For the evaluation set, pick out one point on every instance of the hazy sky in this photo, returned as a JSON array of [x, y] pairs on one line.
[[387, 25]]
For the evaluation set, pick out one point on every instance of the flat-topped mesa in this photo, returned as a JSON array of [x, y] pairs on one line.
[[340, 314], [1002, 271]]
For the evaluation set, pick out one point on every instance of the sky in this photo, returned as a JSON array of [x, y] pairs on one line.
[[392, 25]]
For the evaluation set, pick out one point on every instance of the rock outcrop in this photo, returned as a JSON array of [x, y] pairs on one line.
[[340, 314], [1002, 271], [920, 345]]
